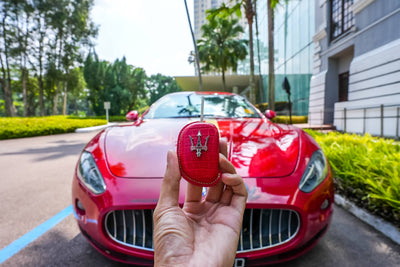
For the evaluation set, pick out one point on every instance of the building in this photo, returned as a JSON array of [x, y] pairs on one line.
[[356, 66], [294, 29], [211, 81], [200, 7]]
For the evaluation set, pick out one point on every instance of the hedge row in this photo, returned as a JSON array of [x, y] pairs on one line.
[[37, 126], [110, 118], [286, 119], [366, 170]]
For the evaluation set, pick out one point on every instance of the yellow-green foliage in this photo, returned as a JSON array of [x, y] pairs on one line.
[[286, 119], [35, 126], [368, 165]]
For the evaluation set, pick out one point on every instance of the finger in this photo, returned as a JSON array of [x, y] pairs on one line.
[[169, 195], [193, 193], [226, 196], [214, 193], [225, 166], [239, 192], [223, 147]]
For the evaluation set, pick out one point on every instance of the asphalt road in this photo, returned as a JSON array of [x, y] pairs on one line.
[[35, 179]]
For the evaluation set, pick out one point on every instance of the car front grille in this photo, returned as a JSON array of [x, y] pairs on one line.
[[261, 228], [132, 228], [265, 228]]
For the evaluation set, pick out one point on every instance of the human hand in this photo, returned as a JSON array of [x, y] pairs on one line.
[[205, 232]]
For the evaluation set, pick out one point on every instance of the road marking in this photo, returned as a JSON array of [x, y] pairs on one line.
[[31, 236]]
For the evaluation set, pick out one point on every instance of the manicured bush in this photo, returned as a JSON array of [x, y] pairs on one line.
[[120, 118], [110, 118], [286, 119], [366, 169], [18, 127]]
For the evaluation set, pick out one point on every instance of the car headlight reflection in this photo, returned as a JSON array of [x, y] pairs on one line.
[[315, 173], [89, 174]]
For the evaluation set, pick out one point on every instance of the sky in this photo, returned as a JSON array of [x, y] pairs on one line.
[[151, 34]]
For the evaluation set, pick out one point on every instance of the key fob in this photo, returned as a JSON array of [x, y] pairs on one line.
[[198, 153]]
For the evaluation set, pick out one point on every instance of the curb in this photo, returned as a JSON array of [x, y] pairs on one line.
[[94, 128], [379, 224]]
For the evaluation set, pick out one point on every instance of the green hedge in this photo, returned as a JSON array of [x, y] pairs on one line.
[[110, 118], [366, 169], [36, 126], [286, 119]]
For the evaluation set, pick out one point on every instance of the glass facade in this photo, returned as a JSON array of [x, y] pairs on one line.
[[294, 50]]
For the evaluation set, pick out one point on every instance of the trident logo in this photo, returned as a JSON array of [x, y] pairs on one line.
[[198, 147]]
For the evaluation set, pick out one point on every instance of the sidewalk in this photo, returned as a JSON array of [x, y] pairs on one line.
[[95, 128], [324, 127], [385, 227]]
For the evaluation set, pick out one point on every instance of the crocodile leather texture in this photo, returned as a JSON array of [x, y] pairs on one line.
[[198, 153]]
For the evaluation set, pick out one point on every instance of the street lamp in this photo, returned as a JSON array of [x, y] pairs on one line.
[[195, 48]]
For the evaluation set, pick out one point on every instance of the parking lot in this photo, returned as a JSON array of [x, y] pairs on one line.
[[37, 227]]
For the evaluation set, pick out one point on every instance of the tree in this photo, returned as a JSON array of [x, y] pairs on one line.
[[119, 83], [160, 85], [271, 53], [76, 86], [219, 48], [21, 12], [40, 31], [71, 24], [250, 12], [6, 42], [94, 74]]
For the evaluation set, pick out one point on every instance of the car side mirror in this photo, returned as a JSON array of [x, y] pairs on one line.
[[132, 115], [270, 114]]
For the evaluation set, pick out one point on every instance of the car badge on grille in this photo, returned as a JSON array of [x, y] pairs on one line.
[[198, 147]]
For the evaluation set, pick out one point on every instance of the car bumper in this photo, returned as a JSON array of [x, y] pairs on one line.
[[314, 216]]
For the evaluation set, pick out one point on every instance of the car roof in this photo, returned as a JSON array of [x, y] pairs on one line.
[[203, 93]]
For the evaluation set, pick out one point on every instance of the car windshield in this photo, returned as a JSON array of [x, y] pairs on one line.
[[189, 105]]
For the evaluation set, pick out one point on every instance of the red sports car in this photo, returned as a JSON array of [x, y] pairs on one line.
[[117, 179]]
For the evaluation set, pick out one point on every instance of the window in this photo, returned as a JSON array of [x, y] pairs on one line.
[[343, 86], [342, 18]]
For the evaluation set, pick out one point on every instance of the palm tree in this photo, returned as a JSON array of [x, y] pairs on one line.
[[219, 48], [271, 60], [250, 12]]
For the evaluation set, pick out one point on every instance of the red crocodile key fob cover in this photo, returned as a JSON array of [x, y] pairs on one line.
[[198, 153]]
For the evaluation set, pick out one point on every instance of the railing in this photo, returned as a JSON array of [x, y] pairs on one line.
[[380, 120], [381, 116]]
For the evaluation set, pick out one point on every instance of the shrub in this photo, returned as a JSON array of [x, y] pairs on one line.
[[286, 119], [18, 127], [366, 168]]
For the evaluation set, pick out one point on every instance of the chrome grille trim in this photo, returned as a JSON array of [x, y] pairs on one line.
[[266, 228], [261, 228], [133, 229], [123, 219], [144, 229]]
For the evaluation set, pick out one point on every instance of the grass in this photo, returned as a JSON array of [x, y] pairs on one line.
[[18, 127], [366, 169]]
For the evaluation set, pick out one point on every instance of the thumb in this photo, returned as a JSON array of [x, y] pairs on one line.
[[169, 195]]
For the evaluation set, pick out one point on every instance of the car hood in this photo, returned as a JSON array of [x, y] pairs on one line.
[[256, 147]]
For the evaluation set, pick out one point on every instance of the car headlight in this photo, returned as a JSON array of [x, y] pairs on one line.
[[315, 173], [89, 174]]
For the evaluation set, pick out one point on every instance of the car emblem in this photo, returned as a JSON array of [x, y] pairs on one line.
[[198, 147]]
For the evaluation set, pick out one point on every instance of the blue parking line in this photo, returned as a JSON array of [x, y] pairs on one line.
[[31, 236]]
